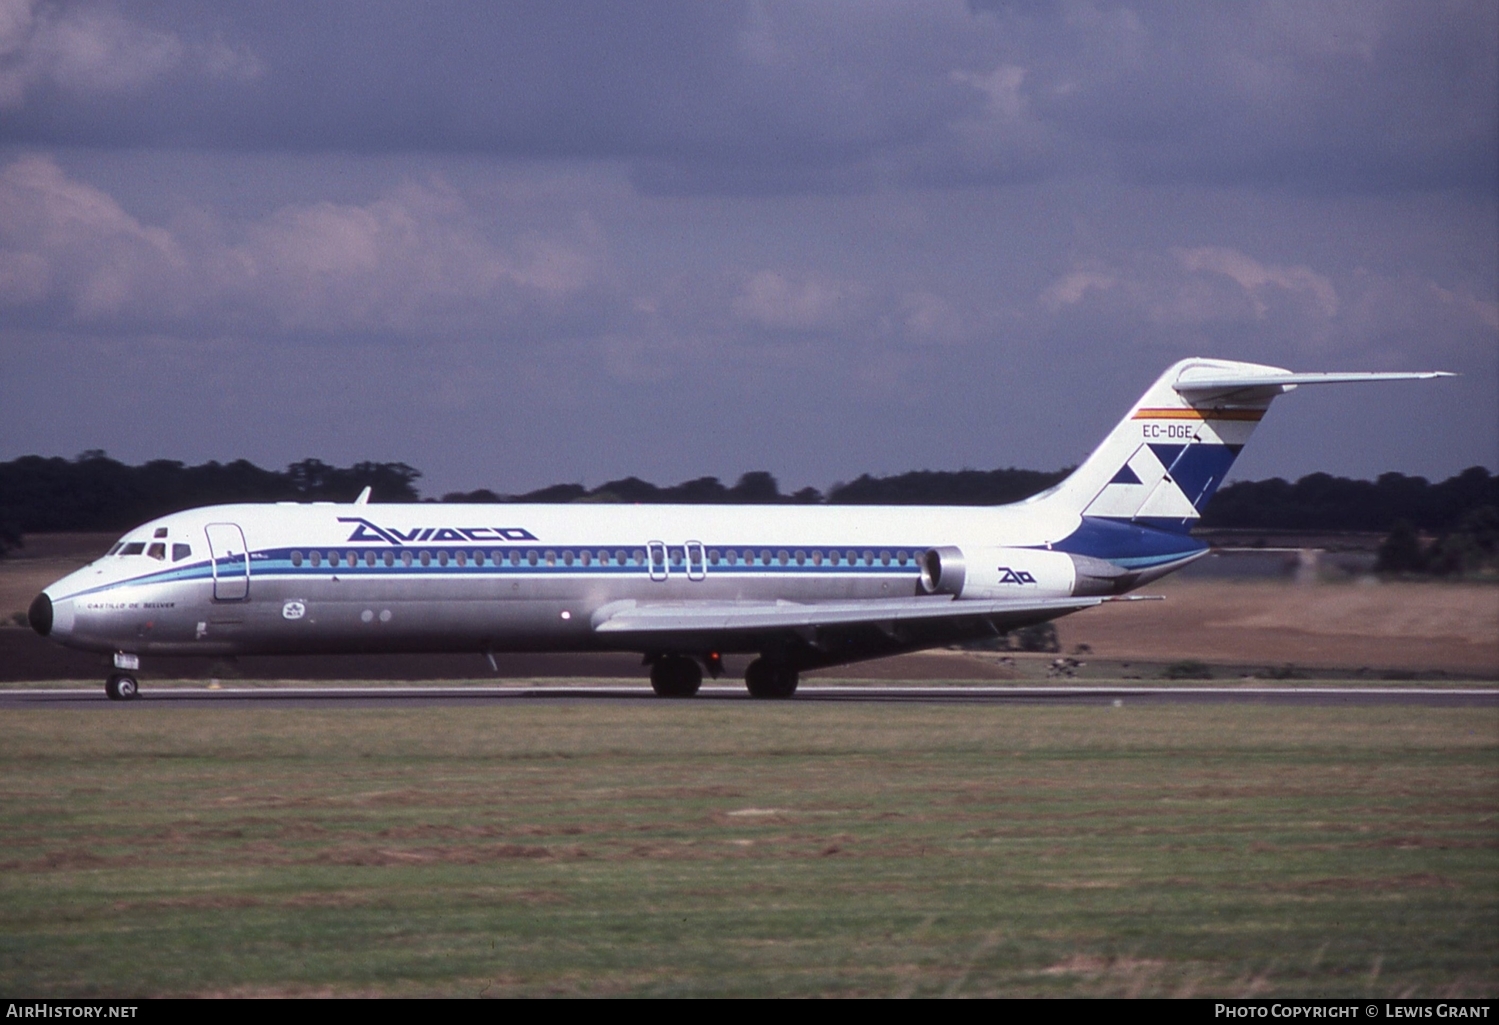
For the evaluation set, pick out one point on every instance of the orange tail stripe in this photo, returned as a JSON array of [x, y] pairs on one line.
[[1250, 415]]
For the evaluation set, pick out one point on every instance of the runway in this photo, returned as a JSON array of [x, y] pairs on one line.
[[392, 697]]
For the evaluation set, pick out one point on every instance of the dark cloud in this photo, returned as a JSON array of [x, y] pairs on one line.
[[764, 98], [520, 243]]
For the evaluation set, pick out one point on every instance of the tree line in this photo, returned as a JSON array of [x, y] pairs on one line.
[[96, 493]]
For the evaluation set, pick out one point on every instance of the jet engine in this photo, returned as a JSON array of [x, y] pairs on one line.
[[1001, 572]]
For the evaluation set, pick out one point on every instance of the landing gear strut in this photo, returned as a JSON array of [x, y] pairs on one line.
[[121, 687], [766, 679], [676, 676]]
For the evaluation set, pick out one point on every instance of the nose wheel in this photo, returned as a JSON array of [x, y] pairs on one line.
[[121, 687]]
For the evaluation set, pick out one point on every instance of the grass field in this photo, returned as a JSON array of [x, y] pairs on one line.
[[747, 848]]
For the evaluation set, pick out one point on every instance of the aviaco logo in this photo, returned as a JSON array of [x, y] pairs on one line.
[[367, 531], [1014, 576]]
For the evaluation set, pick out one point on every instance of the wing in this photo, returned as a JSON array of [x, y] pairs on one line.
[[715, 618]]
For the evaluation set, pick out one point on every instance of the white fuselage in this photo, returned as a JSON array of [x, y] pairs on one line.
[[427, 577]]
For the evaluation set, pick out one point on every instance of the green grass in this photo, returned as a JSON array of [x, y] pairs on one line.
[[749, 849]]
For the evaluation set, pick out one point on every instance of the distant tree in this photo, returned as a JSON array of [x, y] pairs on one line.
[[1320, 501], [1472, 547], [945, 487], [482, 496], [10, 537], [755, 488], [555, 493], [1401, 552]]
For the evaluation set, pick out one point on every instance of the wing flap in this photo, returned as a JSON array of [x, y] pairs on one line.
[[677, 617]]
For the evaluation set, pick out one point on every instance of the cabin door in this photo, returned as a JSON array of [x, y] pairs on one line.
[[231, 562], [657, 557], [697, 567]]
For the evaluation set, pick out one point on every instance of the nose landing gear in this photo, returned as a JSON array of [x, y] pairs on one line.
[[121, 687]]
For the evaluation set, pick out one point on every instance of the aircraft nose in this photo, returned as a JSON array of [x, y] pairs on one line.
[[40, 614]]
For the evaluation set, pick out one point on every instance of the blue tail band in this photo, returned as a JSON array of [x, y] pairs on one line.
[[1131, 544]]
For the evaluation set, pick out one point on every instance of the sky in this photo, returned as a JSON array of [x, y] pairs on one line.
[[518, 244]]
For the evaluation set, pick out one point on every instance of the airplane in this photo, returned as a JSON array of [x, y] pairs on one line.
[[798, 587]]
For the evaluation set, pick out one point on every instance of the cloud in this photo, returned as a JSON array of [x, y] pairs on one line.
[[1070, 288], [771, 300], [786, 97], [407, 263], [1255, 277], [90, 51], [1221, 299]]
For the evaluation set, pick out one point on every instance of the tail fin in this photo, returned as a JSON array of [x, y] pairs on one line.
[[1163, 462]]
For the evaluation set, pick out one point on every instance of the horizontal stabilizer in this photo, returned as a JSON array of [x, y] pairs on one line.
[[674, 617], [1208, 378]]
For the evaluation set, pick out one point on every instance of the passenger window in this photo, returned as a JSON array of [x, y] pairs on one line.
[[462, 558], [676, 556], [868, 557], [317, 558], [350, 558], [157, 551], [478, 558], [426, 558], [816, 557], [900, 557], [496, 557], [551, 557], [713, 556], [801, 557], [638, 558], [765, 556], [442, 558], [515, 557], [532, 558], [134, 548], [783, 557], [833, 557], [567, 558], [333, 558], [585, 557], [369, 558], [177, 553], [731, 556], [389, 558], [884, 558], [406, 559], [180, 552]]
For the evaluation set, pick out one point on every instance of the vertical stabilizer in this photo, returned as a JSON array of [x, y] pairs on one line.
[[1166, 458]]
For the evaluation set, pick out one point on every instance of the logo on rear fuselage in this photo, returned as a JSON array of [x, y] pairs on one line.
[[1014, 576], [367, 531]]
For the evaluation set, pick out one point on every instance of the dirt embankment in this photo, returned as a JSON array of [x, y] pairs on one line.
[[1417, 626]]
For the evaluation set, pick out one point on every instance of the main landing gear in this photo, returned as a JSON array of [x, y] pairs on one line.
[[680, 676], [121, 687], [676, 676], [767, 679]]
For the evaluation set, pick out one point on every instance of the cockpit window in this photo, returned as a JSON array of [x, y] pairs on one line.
[[157, 551], [116, 548], [160, 532], [180, 552], [133, 548]]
